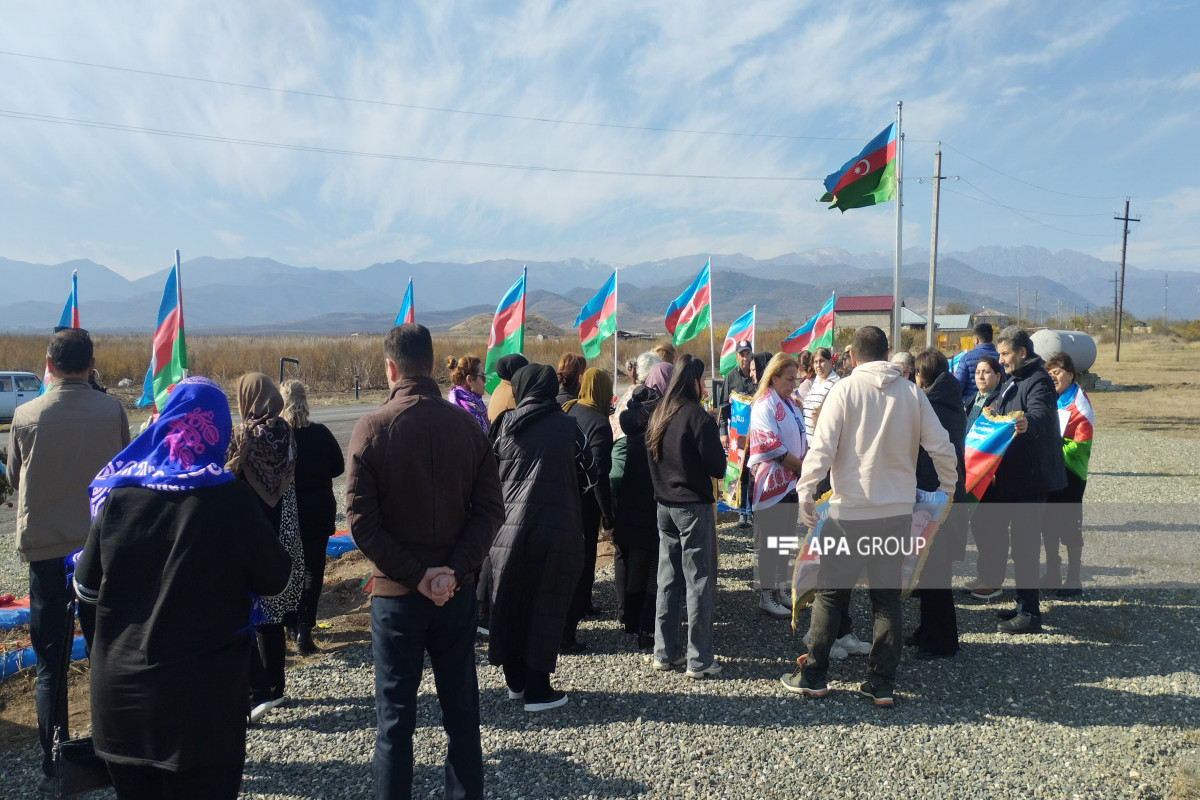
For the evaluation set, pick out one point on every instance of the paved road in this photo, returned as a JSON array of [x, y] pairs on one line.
[[340, 419]]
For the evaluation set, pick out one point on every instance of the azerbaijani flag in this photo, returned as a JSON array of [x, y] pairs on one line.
[[508, 330], [741, 329], [1077, 423], [69, 319], [691, 312], [867, 179], [407, 314], [597, 320], [986, 443], [817, 332], [168, 355]]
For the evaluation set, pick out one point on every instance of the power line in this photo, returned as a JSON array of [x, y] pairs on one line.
[[439, 109], [1022, 210], [1021, 214], [1034, 185], [112, 126]]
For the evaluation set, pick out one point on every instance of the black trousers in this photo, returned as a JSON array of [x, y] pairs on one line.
[[267, 655], [142, 782], [1015, 523], [314, 546], [581, 601], [938, 631], [1063, 525]]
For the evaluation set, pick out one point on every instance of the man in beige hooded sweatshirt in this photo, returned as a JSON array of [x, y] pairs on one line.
[[867, 437]]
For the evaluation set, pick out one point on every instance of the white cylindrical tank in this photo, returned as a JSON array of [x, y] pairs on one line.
[[1078, 345]]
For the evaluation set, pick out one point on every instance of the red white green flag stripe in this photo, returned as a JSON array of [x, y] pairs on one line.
[[867, 179], [817, 332], [597, 320], [508, 330], [691, 312], [742, 329]]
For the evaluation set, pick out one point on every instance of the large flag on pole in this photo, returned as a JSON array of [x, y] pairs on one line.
[[168, 355], [407, 312], [817, 332], [867, 179], [508, 330], [742, 329], [691, 312], [69, 319], [597, 320]]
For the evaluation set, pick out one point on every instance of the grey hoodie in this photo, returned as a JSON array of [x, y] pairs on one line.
[[870, 429]]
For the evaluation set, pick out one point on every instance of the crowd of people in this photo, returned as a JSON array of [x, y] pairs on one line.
[[484, 519]]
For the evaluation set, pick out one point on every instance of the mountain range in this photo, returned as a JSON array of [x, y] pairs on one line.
[[262, 296]]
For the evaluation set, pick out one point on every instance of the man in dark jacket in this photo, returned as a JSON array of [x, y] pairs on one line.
[[423, 503], [964, 371], [1032, 467]]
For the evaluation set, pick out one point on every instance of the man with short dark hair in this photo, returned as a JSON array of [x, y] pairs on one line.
[[1032, 467], [423, 503], [964, 370], [57, 444], [871, 427]]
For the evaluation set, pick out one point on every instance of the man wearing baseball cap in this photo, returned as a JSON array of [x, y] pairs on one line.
[[738, 380]]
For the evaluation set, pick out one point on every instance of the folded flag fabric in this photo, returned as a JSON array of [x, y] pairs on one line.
[[691, 312], [739, 429], [867, 179], [816, 333], [742, 329], [808, 562], [1077, 422], [929, 512], [986, 443], [168, 354], [407, 312], [597, 320], [507, 335]]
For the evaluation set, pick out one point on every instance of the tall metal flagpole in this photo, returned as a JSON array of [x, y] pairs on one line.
[[712, 347], [179, 300], [616, 327], [896, 347]]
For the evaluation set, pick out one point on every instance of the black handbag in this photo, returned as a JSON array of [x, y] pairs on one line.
[[77, 768]]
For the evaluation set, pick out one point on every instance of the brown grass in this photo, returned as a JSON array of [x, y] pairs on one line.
[[1161, 377]]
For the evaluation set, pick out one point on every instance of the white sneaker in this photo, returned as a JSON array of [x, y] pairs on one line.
[[712, 669], [666, 666], [851, 644], [836, 651], [770, 605], [260, 710]]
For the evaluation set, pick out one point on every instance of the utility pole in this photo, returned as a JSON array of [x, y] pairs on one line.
[[1018, 304], [1166, 319], [1058, 316], [1114, 282], [933, 236], [1121, 295], [1035, 309], [1087, 317]]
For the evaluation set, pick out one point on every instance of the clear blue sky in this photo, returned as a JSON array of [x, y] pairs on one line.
[[1096, 100]]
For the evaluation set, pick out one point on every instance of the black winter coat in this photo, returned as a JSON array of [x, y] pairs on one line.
[[945, 395], [537, 555], [1033, 463], [633, 492], [596, 428]]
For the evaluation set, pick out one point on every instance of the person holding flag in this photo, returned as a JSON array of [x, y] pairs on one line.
[[1064, 508], [69, 319], [738, 380]]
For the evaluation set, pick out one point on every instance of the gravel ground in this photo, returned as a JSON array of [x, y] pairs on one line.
[[1105, 703]]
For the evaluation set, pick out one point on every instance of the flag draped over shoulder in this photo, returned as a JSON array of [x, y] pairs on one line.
[[597, 320], [867, 179], [691, 312], [735, 456], [68, 319], [508, 330], [817, 332], [1076, 422], [407, 311], [168, 354], [742, 329], [986, 444]]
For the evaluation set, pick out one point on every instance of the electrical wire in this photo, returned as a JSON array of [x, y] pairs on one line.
[[1019, 213], [112, 126], [1027, 183]]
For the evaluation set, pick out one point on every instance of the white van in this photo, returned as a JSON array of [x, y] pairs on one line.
[[16, 388]]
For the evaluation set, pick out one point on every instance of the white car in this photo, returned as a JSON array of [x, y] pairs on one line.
[[16, 388]]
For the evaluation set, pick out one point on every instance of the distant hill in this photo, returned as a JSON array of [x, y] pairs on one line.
[[261, 295], [480, 326]]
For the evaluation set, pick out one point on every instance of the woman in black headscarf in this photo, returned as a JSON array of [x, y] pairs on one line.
[[502, 396], [537, 555]]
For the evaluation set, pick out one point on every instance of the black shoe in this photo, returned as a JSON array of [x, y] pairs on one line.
[[931, 655], [912, 641], [555, 699], [571, 646], [305, 645], [48, 787], [1008, 613], [645, 642], [881, 696], [1069, 594], [1021, 623]]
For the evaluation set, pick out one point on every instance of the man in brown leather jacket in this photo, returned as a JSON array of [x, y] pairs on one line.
[[423, 503]]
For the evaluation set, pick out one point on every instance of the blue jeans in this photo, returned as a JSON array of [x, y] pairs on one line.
[[48, 597], [687, 570], [402, 630]]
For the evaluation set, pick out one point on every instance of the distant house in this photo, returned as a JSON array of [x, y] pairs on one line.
[[855, 312], [621, 334], [995, 318], [953, 324], [911, 319]]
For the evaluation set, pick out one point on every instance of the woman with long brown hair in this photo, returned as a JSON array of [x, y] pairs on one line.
[[685, 455]]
